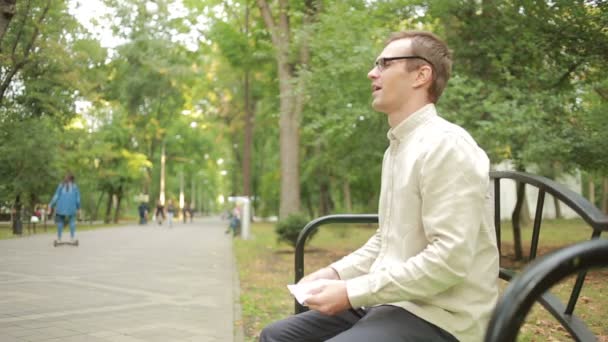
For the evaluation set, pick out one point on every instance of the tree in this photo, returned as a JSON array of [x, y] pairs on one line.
[[7, 11], [28, 162], [279, 24]]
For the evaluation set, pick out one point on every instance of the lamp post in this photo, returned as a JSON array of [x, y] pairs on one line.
[[163, 158], [181, 192]]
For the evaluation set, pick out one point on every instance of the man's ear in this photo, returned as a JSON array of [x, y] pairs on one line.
[[424, 76]]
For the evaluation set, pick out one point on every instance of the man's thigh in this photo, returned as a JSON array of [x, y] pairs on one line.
[[309, 326], [391, 323]]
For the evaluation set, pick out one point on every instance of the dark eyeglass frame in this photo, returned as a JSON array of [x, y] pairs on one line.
[[381, 63]]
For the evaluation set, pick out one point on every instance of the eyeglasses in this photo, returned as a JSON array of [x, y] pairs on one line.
[[383, 62]]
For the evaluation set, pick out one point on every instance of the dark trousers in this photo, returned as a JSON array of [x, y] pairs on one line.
[[383, 323]]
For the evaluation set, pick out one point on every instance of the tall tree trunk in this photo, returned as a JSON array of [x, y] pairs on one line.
[[192, 194], [605, 195], [516, 220], [7, 11], [119, 194], [95, 215], [591, 187], [108, 216], [16, 219], [248, 139], [348, 203], [289, 143], [309, 206], [324, 198], [291, 101], [558, 208]]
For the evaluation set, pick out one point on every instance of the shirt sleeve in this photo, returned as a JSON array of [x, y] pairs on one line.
[[360, 261], [454, 177], [55, 197], [77, 197]]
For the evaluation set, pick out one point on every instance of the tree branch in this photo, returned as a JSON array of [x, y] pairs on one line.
[[28, 48], [18, 65], [7, 11], [21, 28], [602, 92], [284, 19], [269, 20], [567, 74]]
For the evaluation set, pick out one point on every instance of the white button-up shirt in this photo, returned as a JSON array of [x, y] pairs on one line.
[[434, 252]]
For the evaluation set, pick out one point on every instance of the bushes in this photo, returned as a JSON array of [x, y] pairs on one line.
[[289, 228]]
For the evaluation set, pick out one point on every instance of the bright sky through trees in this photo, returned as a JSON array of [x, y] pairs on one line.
[[96, 18]]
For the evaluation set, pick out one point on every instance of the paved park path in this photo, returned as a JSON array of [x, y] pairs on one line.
[[126, 284]]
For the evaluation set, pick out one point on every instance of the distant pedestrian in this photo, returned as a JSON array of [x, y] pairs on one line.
[[159, 214], [66, 205], [170, 213], [187, 212], [235, 221], [143, 213]]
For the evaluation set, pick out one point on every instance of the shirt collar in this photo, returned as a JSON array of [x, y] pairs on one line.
[[413, 121]]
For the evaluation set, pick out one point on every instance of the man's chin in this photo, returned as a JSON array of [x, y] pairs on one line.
[[377, 106]]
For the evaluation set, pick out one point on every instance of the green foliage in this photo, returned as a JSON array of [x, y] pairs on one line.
[[289, 228], [522, 100], [529, 83], [29, 160]]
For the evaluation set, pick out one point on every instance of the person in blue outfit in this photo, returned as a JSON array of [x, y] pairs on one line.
[[66, 205], [143, 213]]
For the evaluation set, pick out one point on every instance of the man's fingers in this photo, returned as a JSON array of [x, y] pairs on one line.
[[311, 301], [315, 290]]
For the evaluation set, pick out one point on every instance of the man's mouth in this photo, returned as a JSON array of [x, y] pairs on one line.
[[375, 88]]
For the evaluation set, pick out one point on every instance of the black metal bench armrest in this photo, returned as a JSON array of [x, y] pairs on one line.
[[311, 227], [533, 283]]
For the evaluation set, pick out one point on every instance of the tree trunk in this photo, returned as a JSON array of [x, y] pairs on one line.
[[16, 219], [324, 198], [516, 220], [291, 101], [309, 206], [558, 208], [118, 201], [591, 184], [605, 196], [108, 216], [348, 203], [96, 213], [7, 11], [289, 143], [248, 140]]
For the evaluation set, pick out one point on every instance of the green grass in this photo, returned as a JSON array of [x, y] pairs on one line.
[[265, 267]]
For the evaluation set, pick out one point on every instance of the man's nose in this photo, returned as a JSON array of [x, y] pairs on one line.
[[373, 74]]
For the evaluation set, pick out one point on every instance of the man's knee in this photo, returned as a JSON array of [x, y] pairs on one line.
[[271, 332]]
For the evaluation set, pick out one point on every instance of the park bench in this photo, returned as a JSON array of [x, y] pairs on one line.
[[532, 284]]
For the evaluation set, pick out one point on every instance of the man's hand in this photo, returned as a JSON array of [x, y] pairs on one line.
[[329, 299], [324, 273]]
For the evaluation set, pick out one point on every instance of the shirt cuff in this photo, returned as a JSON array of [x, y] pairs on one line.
[[345, 270], [358, 291]]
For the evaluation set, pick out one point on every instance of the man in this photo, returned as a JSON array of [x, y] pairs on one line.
[[430, 271]]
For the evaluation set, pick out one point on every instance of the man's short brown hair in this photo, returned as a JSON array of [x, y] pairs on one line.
[[432, 48]]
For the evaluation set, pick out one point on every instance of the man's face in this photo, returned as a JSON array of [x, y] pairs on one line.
[[392, 85]]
